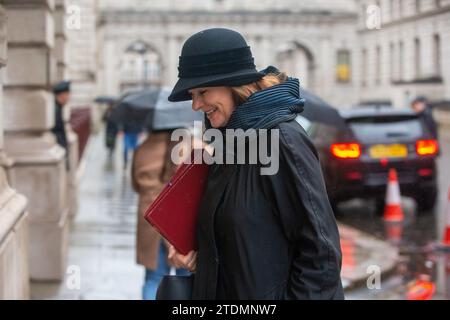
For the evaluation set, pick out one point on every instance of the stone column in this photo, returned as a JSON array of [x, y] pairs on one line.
[[427, 52], [173, 53], [445, 61], [111, 56], [39, 169], [60, 49], [60, 52], [82, 47], [14, 275]]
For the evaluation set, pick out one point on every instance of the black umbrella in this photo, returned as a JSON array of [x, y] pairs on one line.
[[173, 115], [134, 108], [106, 99], [143, 99], [317, 110]]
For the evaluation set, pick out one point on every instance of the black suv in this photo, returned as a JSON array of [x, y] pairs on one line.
[[356, 160]]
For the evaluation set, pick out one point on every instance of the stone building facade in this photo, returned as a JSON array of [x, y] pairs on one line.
[[32, 58], [38, 169], [81, 50], [293, 35], [346, 51], [14, 274], [407, 54], [330, 45]]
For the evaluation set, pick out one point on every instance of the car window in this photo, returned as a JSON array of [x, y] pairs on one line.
[[386, 128]]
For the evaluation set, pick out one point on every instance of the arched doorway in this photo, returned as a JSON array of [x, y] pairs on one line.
[[140, 66]]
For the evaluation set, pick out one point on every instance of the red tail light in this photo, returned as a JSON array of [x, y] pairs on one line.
[[427, 147], [346, 150]]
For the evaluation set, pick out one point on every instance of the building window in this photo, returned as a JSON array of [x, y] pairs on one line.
[[364, 67], [392, 62], [401, 62], [417, 58], [437, 55], [343, 66], [378, 65]]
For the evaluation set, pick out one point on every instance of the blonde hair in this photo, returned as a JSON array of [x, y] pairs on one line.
[[242, 93]]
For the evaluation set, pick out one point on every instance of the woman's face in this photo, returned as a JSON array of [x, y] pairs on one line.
[[216, 102]]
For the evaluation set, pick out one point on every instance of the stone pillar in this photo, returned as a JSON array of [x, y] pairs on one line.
[[173, 53], [60, 52], [427, 52], [14, 275], [445, 60], [111, 57], [82, 47], [39, 169], [60, 49]]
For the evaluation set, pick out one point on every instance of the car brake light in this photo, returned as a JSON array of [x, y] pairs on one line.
[[346, 150], [427, 147]]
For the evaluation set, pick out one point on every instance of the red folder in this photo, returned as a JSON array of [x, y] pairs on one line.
[[174, 211]]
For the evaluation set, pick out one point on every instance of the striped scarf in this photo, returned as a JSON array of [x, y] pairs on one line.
[[267, 108]]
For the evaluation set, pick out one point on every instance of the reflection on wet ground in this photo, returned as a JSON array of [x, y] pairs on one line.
[[102, 235], [102, 238], [417, 238]]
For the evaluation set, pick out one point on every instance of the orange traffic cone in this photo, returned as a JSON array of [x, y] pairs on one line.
[[393, 231], [446, 240], [421, 289], [393, 211]]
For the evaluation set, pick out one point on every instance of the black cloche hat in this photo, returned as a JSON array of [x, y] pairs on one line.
[[214, 57]]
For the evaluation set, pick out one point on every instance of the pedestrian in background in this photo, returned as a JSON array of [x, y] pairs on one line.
[[421, 107], [62, 96], [259, 236], [152, 168], [111, 128], [130, 140]]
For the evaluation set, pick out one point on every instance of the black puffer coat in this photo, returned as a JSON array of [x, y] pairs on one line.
[[269, 236]]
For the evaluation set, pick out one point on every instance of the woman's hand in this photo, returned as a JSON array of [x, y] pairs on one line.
[[178, 260]]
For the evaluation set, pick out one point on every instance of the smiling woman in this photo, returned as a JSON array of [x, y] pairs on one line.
[[216, 102], [260, 235]]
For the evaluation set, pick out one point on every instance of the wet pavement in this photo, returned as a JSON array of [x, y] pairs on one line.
[[102, 239], [361, 252], [102, 236], [416, 239]]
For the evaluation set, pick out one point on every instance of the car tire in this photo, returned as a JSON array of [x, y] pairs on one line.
[[426, 200]]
